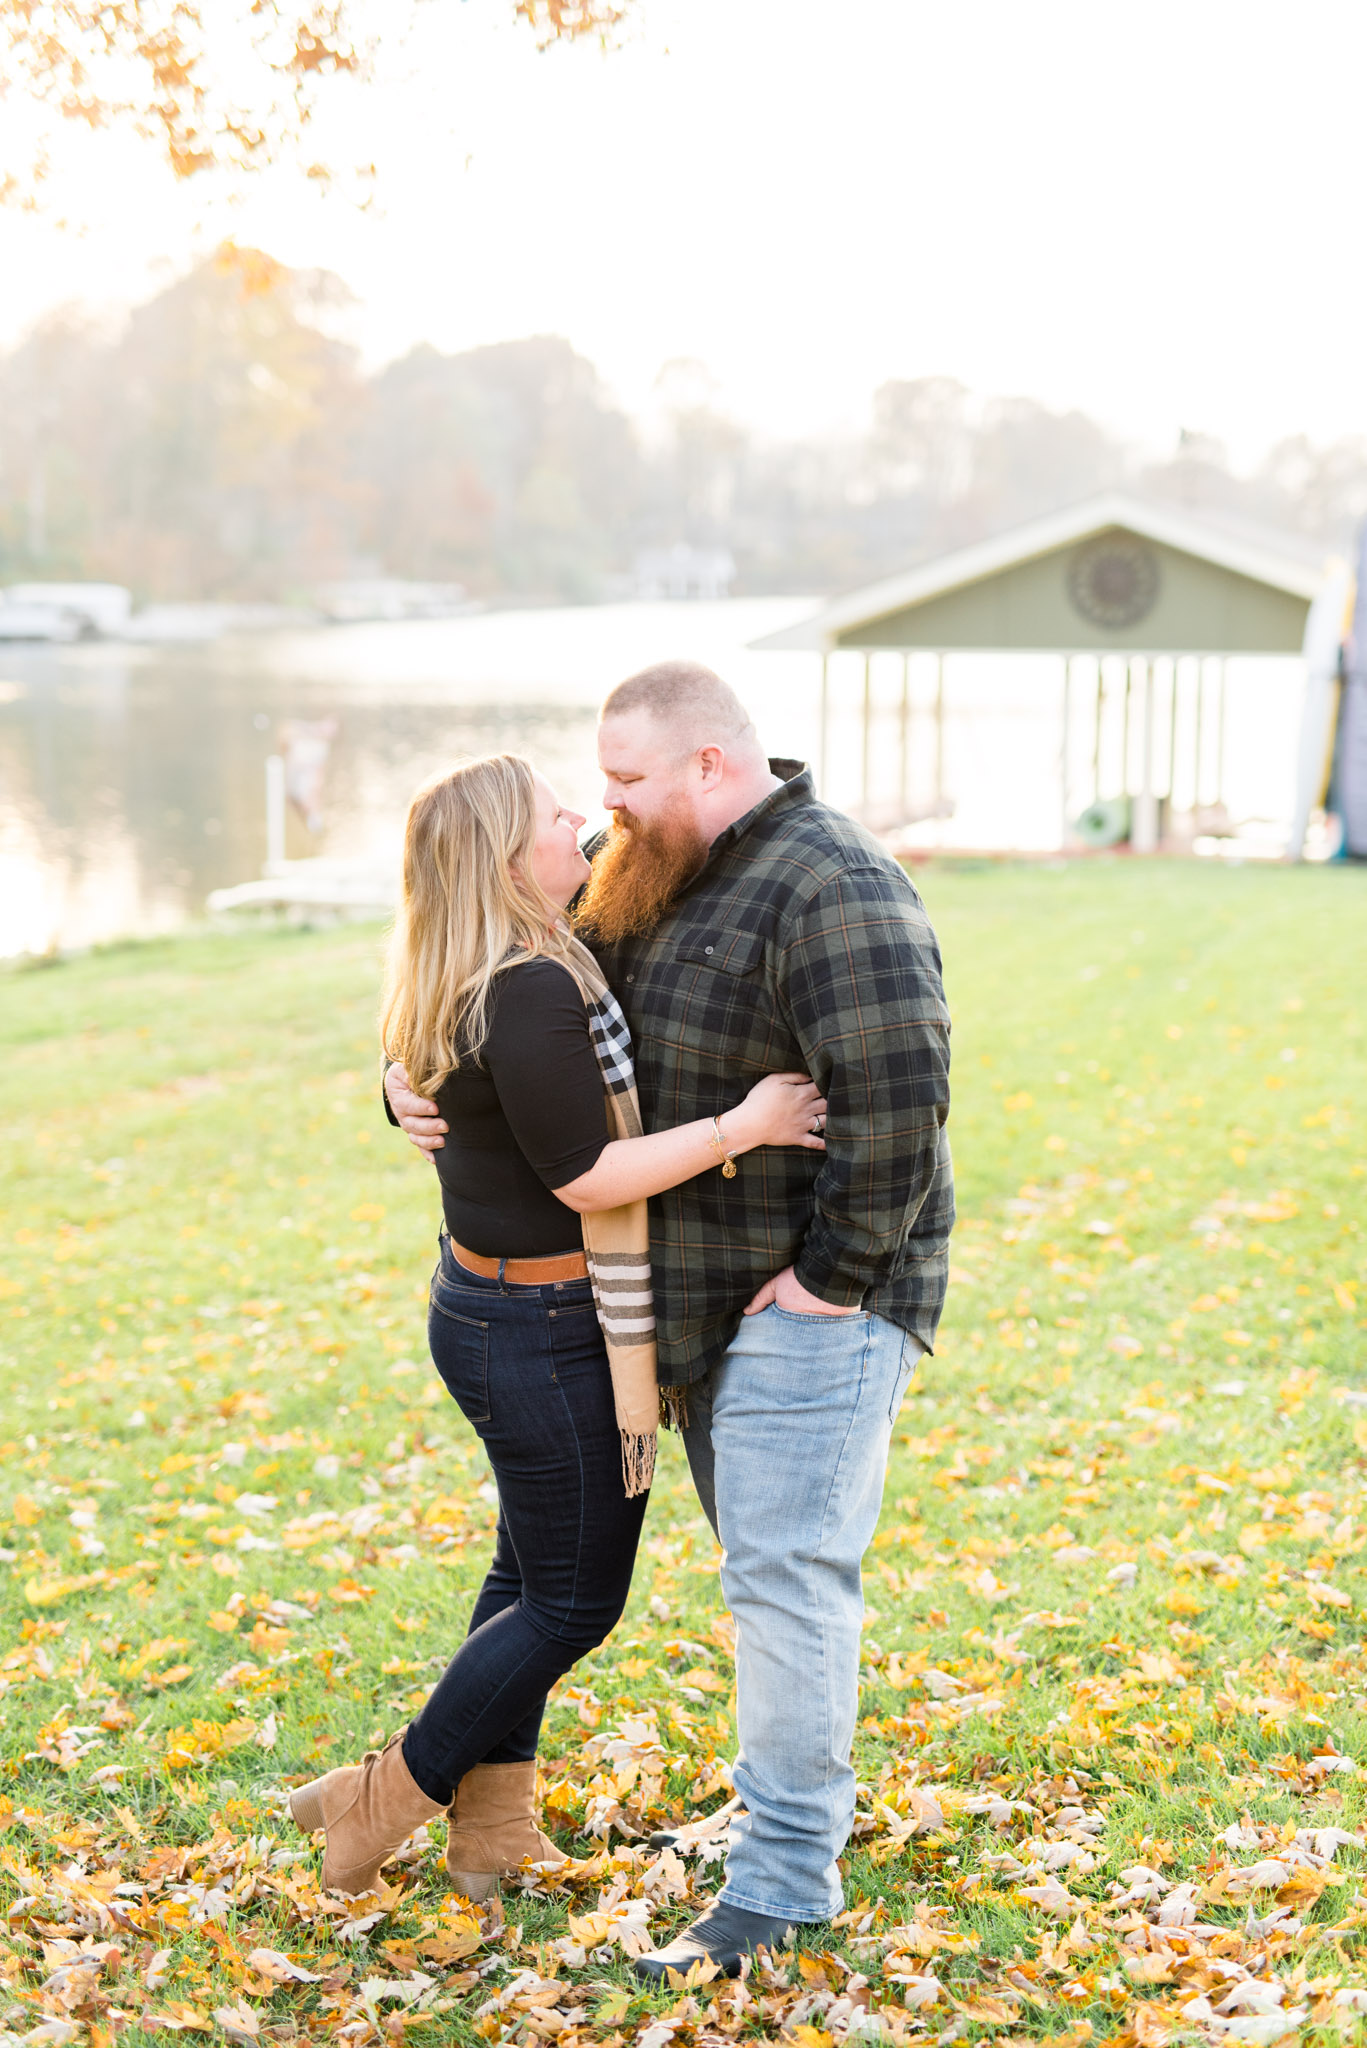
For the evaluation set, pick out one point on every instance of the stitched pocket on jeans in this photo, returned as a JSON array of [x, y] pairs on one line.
[[793, 1315], [460, 1351], [911, 1356]]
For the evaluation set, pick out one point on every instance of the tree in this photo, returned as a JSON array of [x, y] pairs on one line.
[[204, 451], [505, 468], [217, 85]]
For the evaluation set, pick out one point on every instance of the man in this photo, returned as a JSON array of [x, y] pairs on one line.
[[746, 927]]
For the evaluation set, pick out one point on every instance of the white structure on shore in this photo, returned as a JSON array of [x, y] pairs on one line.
[[682, 571], [64, 611]]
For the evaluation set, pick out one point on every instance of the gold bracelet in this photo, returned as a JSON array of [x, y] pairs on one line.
[[728, 1163]]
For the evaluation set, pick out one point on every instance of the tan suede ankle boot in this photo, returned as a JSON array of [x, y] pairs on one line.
[[493, 1830], [367, 1810]]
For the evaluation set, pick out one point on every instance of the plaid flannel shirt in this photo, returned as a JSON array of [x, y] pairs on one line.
[[801, 945]]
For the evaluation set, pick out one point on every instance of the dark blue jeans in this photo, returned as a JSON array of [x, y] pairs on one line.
[[527, 1367]]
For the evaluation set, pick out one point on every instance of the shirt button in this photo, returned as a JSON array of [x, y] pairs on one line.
[[707, 949], [631, 977]]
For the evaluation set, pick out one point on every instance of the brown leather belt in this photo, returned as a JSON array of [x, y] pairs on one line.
[[523, 1272]]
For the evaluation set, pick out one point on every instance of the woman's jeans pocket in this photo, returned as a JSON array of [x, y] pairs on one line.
[[460, 1351]]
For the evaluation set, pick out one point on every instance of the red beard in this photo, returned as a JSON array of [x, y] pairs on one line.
[[638, 875]]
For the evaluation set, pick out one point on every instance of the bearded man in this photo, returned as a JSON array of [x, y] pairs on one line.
[[746, 927]]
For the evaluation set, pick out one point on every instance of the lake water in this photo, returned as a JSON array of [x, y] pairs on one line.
[[132, 778]]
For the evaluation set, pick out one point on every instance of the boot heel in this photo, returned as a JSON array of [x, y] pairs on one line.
[[306, 1808], [475, 1885]]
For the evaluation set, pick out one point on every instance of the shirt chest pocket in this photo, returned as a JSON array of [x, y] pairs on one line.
[[729, 1007], [723, 952]]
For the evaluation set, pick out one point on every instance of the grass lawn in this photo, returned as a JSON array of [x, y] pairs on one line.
[[1115, 1685]]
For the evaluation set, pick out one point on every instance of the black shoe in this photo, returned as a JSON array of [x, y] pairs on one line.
[[721, 1935]]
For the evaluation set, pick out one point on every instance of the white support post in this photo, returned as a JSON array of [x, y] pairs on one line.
[[1144, 829], [866, 739], [1066, 722], [823, 728], [904, 786], [939, 733], [1173, 703], [1096, 727], [1221, 692], [275, 815]]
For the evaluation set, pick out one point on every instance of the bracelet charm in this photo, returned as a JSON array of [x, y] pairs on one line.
[[728, 1164]]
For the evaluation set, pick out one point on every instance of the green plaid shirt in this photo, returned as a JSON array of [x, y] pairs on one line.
[[801, 945]]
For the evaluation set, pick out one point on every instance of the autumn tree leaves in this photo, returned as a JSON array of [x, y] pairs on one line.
[[231, 87]]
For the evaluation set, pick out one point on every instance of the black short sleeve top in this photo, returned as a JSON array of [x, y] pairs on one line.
[[525, 1118]]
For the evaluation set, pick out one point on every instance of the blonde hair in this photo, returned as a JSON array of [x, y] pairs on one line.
[[469, 906]]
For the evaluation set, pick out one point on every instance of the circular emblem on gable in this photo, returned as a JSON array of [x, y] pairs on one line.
[[1113, 581]]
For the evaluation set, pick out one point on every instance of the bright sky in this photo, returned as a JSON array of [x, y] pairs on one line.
[[1152, 213]]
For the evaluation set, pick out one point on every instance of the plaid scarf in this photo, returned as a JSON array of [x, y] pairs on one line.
[[617, 1241]]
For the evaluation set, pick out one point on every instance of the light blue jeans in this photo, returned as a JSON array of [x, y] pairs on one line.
[[788, 1445]]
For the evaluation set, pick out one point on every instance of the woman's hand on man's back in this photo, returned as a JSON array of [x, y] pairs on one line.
[[417, 1116]]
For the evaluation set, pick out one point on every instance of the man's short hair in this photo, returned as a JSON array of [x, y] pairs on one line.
[[691, 700]]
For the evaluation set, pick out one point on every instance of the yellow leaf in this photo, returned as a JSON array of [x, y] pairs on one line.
[[175, 1674], [25, 1510], [1304, 1886], [47, 1592], [1181, 1600], [589, 1929], [452, 1944], [152, 1653], [1153, 2025], [265, 1640], [368, 1212], [1345, 1295], [1156, 1968], [704, 1680], [185, 2018], [224, 1622], [990, 2012]]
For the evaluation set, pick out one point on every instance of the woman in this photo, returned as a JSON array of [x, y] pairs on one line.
[[540, 1317]]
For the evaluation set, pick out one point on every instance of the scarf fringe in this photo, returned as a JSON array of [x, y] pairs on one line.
[[638, 1462]]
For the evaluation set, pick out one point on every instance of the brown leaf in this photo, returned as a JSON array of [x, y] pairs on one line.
[[1304, 1886], [1158, 1968], [1151, 2024], [989, 2012]]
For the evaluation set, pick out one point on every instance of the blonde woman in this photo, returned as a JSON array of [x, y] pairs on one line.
[[540, 1318]]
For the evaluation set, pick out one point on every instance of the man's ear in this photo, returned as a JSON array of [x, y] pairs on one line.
[[711, 766]]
